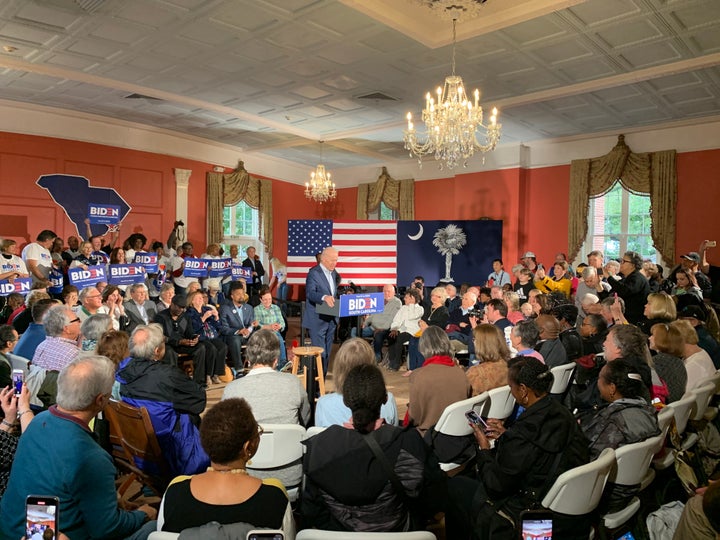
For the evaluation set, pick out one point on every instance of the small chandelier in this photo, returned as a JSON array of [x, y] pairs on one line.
[[320, 188], [451, 124]]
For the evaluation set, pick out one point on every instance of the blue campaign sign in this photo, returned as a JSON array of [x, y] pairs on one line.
[[103, 214], [125, 274], [18, 285], [361, 304], [149, 261], [219, 267], [241, 272], [196, 267], [86, 278], [57, 282]]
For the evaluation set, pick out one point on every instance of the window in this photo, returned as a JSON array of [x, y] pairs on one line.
[[241, 226], [384, 213], [619, 221]]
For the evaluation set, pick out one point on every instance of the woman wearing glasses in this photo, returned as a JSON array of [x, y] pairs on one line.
[[226, 493]]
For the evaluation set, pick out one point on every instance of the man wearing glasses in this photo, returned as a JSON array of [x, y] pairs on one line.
[[633, 287], [62, 328], [90, 301]]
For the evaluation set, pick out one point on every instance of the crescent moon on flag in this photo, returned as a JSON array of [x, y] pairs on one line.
[[418, 235]]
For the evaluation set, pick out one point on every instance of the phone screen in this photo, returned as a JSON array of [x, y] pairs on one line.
[[475, 418], [17, 380], [537, 529], [41, 517], [265, 535]]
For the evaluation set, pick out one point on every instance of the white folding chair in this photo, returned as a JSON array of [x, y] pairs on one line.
[[703, 395], [712, 412], [632, 461], [280, 445], [314, 430], [664, 417], [681, 413], [454, 423], [561, 378], [163, 535], [500, 403], [577, 492], [317, 534]]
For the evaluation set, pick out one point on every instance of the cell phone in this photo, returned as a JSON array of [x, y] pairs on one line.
[[265, 534], [627, 536], [18, 377], [41, 515], [711, 244], [536, 524], [476, 419]]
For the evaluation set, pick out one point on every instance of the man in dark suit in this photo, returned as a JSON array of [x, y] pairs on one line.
[[321, 288], [236, 322], [258, 272], [139, 310]]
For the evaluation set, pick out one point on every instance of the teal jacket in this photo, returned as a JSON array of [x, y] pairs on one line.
[[59, 456]]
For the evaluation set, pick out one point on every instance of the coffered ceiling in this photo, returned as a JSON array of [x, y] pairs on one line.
[[273, 77]]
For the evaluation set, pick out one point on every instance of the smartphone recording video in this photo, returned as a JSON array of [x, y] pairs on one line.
[[41, 515], [18, 377], [476, 419], [536, 525]]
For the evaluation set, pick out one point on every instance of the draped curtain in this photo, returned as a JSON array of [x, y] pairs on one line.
[[651, 173], [398, 195], [228, 190]]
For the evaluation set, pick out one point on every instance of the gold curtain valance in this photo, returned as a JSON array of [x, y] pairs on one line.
[[398, 195], [228, 190], [652, 173]]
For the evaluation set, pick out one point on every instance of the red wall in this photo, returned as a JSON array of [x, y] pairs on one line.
[[146, 181], [533, 203]]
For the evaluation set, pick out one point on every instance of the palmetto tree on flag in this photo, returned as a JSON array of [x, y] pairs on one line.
[[449, 241]]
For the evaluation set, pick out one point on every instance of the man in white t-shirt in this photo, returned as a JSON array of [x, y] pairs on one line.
[[37, 256], [178, 266]]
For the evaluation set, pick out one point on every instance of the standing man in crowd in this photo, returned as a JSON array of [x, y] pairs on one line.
[[321, 288], [37, 256], [253, 261]]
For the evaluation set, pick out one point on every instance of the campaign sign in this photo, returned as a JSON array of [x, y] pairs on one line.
[[57, 282], [361, 304], [219, 267], [103, 214], [197, 268], [86, 278], [19, 285], [241, 273], [126, 274], [149, 261]]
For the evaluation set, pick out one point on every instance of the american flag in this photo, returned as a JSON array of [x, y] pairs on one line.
[[367, 249]]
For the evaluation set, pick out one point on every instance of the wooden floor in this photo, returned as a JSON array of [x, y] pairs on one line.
[[395, 382]]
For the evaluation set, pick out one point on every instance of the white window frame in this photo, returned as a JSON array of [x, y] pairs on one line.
[[244, 241], [375, 215]]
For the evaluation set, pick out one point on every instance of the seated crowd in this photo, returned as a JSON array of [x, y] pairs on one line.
[[635, 342]]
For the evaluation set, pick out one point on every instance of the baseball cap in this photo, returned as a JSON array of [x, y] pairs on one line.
[[179, 300], [527, 255], [695, 312], [692, 256]]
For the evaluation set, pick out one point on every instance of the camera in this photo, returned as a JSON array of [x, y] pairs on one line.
[[477, 313], [418, 285]]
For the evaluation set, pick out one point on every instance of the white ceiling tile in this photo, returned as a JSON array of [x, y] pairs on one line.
[[585, 71], [250, 17], [598, 12], [631, 33], [707, 41], [650, 55], [124, 33], [153, 14], [534, 31], [94, 48], [26, 34], [695, 15], [209, 32], [310, 92], [47, 15], [565, 51], [71, 61]]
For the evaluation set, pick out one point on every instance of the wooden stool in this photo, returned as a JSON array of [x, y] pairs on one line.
[[310, 351]]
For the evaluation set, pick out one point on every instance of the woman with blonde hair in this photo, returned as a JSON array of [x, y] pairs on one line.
[[698, 363], [668, 342], [492, 352], [659, 308], [512, 300], [330, 408]]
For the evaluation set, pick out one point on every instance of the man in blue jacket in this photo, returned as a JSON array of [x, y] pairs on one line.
[[59, 456], [321, 288]]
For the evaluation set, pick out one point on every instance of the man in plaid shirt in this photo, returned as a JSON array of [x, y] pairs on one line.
[[269, 316]]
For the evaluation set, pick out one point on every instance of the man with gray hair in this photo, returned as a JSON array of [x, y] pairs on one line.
[[62, 328], [275, 398], [377, 325], [173, 401], [90, 302], [74, 466], [139, 309]]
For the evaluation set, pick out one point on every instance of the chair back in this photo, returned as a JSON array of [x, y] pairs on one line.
[[664, 418], [18, 362], [632, 461], [280, 445], [500, 404], [577, 492], [314, 430], [163, 535], [703, 395], [133, 441], [715, 379], [317, 534], [682, 409], [453, 421], [561, 377]]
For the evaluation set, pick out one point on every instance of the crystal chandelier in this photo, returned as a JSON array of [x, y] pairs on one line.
[[320, 188], [451, 124]]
